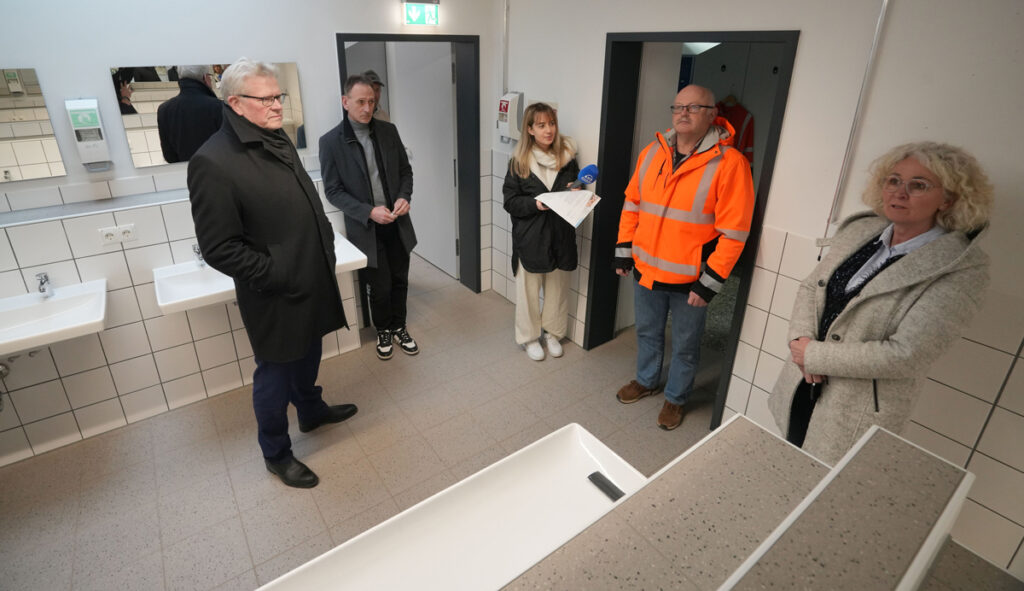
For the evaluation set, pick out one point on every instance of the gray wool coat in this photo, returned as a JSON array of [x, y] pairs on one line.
[[886, 338]]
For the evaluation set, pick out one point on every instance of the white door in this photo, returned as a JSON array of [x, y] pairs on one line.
[[422, 98]]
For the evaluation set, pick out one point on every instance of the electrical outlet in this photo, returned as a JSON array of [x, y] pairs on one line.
[[127, 232], [110, 235]]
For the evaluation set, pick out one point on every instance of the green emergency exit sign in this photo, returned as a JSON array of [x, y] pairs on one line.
[[419, 13]]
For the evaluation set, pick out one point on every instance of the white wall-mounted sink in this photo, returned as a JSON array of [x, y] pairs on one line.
[[190, 285], [30, 320]]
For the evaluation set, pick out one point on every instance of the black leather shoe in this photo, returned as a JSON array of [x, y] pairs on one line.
[[293, 473], [333, 414]]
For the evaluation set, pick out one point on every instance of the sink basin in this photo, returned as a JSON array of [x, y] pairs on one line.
[[29, 320], [190, 285]]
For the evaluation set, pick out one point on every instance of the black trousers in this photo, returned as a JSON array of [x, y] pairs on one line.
[[387, 285], [800, 413], [274, 385]]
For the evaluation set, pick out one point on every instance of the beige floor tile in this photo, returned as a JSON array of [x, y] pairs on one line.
[[297, 556], [424, 489], [253, 484], [361, 522], [474, 464], [184, 426], [186, 465], [407, 463], [111, 496], [51, 570], [243, 582], [195, 507], [280, 523], [458, 439], [381, 430], [146, 572], [208, 559], [503, 417], [107, 547], [348, 489]]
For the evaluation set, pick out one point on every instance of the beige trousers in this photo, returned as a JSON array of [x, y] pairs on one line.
[[530, 319]]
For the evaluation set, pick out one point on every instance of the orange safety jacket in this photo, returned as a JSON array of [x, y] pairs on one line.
[[668, 216]]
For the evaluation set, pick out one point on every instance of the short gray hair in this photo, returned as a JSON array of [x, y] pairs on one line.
[[194, 72], [232, 81]]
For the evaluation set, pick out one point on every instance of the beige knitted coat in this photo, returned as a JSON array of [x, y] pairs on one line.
[[886, 337]]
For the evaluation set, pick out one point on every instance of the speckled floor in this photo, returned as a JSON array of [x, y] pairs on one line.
[[182, 500]]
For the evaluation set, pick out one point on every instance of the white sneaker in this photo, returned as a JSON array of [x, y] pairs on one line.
[[535, 351], [554, 347]]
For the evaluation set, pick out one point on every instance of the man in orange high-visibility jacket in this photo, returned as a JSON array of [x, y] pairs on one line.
[[690, 188]]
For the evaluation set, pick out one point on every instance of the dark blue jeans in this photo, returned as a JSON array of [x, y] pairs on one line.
[[274, 385], [652, 308]]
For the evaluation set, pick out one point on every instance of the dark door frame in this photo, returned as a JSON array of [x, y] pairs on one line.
[[466, 55], [623, 54]]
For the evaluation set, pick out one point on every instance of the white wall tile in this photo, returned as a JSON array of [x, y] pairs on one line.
[[142, 261], [100, 417], [32, 198], [950, 412], [178, 220], [40, 401], [757, 410], [146, 296], [134, 374], [799, 257], [90, 387], [1013, 394], [122, 308], [168, 181], [28, 370], [348, 340], [767, 372], [972, 368], [12, 283], [762, 285], [7, 260], [77, 355], [234, 316], [485, 278], [784, 296], [769, 248], [125, 342], [61, 273], [144, 403], [745, 362], [181, 250], [53, 432], [1003, 438], [346, 285], [242, 344], [754, 322], [247, 365], [14, 446], [28, 152], [993, 326], [112, 266], [8, 415], [328, 348], [177, 362], [1016, 567], [35, 171], [149, 226], [209, 321], [138, 185], [39, 244], [738, 394], [940, 445], [168, 331], [988, 535], [223, 379], [84, 192], [218, 350], [998, 487], [776, 331], [185, 390]]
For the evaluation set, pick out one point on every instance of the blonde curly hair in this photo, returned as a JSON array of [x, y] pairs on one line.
[[964, 182]]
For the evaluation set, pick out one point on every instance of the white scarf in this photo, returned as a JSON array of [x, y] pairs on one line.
[[544, 164]]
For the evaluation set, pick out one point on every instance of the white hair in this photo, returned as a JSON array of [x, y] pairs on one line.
[[194, 72], [232, 82]]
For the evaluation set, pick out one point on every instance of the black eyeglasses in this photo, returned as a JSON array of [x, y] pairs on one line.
[[691, 109], [268, 101]]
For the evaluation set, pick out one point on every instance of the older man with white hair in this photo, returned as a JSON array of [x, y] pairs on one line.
[[186, 121], [259, 220]]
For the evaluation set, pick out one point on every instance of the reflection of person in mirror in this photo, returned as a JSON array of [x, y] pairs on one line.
[[123, 88], [543, 244], [378, 111], [691, 192], [895, 290], [259, 220], [368, 177], [191, 117]]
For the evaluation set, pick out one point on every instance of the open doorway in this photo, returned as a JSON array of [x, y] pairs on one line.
[[643, 71], [443, 141]]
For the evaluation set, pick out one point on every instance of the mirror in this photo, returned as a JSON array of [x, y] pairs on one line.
[[141, 90], [28, 149]]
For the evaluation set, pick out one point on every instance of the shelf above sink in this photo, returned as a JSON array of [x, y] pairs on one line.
[[30, 320]]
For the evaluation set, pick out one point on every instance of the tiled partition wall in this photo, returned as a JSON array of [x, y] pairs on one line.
[[143, 362], [971, 411], [497, 257]]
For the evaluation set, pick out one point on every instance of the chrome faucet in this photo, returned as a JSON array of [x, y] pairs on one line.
[[44, 285], [199, 255]]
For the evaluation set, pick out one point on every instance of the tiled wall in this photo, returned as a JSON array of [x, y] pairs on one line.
[[28, 149], [971, 411], [143, 362], [496, 257], [141, 129]]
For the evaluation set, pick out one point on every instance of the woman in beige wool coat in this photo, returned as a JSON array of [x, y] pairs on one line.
[[894, 291]]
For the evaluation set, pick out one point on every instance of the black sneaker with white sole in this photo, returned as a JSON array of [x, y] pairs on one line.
[[405, 341], [384, 348]]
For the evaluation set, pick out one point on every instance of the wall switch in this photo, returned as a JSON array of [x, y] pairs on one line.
[[110, 235], [127, 232]]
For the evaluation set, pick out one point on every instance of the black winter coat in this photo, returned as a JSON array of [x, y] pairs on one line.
[[347, 182], [259, 220], [541, 240], [186, 121]]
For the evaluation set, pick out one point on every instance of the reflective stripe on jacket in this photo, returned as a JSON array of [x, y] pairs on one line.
[[668, 216]]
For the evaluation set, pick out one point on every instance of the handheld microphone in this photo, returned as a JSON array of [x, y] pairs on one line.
[[586, 176]]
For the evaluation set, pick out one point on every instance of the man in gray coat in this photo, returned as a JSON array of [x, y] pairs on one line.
[[260, 221], [367, 176]]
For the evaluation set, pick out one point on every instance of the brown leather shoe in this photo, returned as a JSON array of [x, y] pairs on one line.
[[671, 416], [632, 392]]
